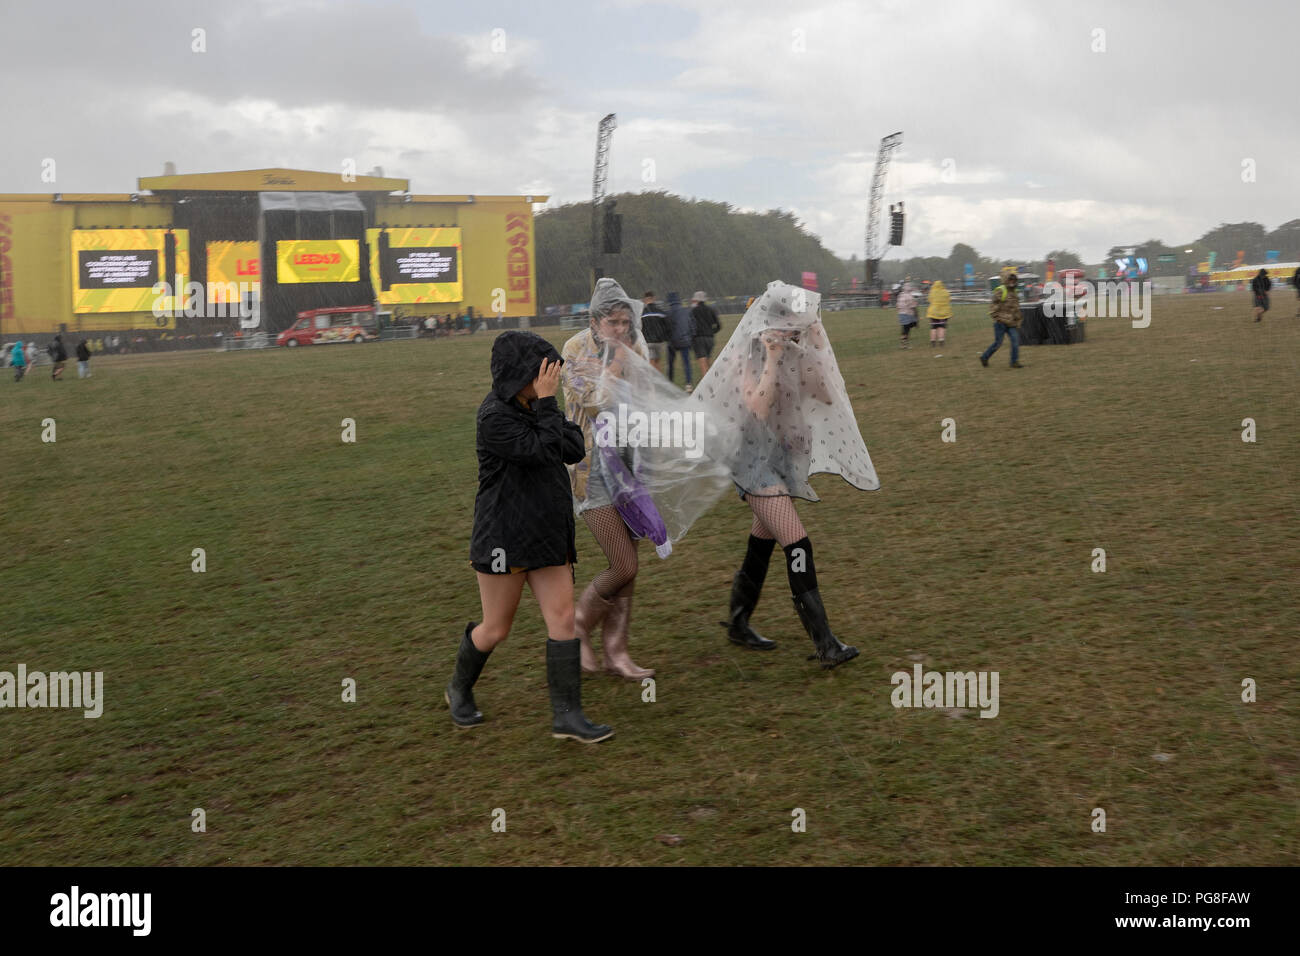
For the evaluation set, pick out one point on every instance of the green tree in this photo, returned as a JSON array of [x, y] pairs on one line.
[[1286, 240], [1065, 259], [1227, 239], [676, 244]]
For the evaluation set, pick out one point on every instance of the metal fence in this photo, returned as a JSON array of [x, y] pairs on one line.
[[258, 340]]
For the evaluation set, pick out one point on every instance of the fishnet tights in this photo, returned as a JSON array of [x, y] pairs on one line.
[[775, 517], [619, 547]]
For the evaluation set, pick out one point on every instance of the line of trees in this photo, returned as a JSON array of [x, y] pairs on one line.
[[675, 244], [1249, 239]]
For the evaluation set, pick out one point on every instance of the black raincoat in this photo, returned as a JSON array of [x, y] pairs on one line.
[[679, 322], [525, 503]]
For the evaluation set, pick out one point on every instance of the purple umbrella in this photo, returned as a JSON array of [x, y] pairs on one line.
[[634, 503]]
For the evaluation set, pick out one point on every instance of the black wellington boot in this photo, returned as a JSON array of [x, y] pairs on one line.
[[812, 613], [744, 597], [459, 694], [564, 675]]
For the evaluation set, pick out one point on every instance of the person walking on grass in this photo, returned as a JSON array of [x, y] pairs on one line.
[[1295, 281], [60, 356], [524, 529], [706, 324], [83, 359], [906, 314], [940, 312], [594, 360], [18, 358], [1005, 312], [679, 342], [654, 325], [1259, 287], [777, 378]]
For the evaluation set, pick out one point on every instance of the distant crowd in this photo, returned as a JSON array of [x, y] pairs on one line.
[[675, 332], [21, 356], [464, 323]]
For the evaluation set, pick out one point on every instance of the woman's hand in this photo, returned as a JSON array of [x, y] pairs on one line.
[[547, 382], [774, 343], [617, 358]]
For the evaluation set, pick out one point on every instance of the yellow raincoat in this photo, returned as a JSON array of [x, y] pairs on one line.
[[940, 302]]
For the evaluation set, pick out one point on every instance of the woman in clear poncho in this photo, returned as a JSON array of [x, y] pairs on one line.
[[647, 471], [592, 358], [777, 386]]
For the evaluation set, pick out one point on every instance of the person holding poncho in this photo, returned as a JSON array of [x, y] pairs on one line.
[[940, 311], [776, 384], [645, 473], [592, 357]]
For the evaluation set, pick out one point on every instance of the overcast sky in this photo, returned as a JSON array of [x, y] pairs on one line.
[[1025, 129]]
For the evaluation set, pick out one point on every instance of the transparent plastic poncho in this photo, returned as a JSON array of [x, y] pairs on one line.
[[661, 457], [777, 387]]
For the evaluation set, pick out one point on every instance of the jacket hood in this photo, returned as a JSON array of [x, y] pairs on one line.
[[516, 359], [674, 300]]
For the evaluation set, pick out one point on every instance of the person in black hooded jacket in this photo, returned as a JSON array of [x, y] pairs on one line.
[[1259, 287], [83, 359], [524, 528], [59, 355]]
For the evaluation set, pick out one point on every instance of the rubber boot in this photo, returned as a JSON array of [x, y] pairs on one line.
[[459, 694], [744, 598], [830, 651], [590, 610], [613, 641], [565, 680]]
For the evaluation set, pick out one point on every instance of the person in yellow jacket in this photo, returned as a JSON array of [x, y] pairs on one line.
[[1005, 312], [940, 311]]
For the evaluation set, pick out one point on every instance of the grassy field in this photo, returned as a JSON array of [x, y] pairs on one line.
[[325, 561]]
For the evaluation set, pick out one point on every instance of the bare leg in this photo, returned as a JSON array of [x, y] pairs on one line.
[[499, 594], [553, 588]]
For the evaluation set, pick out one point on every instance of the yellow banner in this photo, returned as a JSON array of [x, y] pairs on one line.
[[318, 260], [416, 264], [504, 276], [229, 264], [116, 270]]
